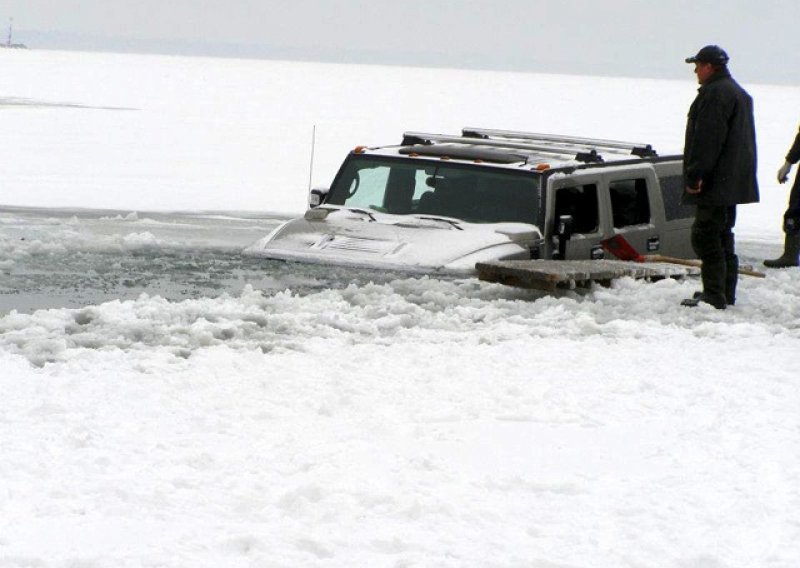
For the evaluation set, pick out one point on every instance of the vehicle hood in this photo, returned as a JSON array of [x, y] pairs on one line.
[[423, 243]]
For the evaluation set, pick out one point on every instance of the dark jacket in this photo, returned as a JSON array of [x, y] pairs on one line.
[[720, 146], [794, 152]]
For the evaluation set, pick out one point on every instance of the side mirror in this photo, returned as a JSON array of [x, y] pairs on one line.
[[563, 234], [564, 227], [317, 196]]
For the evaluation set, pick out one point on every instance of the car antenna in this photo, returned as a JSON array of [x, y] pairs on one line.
[[311, 166]]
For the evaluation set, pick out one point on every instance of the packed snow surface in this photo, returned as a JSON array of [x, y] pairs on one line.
[[167, 402]]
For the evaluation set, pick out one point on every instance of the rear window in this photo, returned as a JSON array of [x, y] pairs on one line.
[[630, 204], [672, 190]]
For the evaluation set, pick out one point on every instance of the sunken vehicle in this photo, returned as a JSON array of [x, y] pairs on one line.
[[442, 203]]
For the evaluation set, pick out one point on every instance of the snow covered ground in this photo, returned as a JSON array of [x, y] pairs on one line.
[[173, 404]]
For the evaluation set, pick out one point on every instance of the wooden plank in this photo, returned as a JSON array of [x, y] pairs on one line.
[[568, 274]]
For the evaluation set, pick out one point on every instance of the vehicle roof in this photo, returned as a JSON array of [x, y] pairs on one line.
[[519, 150]]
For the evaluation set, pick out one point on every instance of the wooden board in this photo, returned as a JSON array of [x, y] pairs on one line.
[[570, 274]]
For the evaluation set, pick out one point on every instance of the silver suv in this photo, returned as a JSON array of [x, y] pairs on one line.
[[442, 203]]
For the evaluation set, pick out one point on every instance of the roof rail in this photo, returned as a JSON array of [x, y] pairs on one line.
[[635, 148], [425, 138]]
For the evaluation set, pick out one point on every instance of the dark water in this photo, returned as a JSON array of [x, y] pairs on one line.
[[68, 258], [60, 258]]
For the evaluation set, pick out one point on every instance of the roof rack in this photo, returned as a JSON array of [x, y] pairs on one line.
[[461, 151], [591, 155], [635, 148]]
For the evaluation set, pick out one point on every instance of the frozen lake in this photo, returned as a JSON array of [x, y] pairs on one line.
[[167, 402]]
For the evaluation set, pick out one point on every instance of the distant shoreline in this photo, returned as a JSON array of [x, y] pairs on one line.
[[477, 61]]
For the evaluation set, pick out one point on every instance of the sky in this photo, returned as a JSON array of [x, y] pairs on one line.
[[612, 37]]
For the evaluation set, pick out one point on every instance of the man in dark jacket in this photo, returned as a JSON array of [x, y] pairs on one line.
[[791, 219], [719, 168]]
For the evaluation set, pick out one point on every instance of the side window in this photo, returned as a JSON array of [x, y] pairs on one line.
[[630, 204], [580, 202]]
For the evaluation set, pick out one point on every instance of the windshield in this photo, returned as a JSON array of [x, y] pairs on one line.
[[406, 187]]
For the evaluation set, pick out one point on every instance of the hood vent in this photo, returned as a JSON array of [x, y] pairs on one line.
[[355, 245]]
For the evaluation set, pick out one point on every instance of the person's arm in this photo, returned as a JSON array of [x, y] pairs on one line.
[[794, 152], [783, 172], [791, 158]]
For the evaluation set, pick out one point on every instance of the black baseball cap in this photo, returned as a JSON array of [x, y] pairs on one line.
[[713, 54]]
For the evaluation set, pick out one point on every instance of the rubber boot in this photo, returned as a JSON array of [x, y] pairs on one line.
[[698, 297], [731, 278], [791, 251]]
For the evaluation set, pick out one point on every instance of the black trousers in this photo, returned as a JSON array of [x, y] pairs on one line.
[[791, 219], [713, 243]]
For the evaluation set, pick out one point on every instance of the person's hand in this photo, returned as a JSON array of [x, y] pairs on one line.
[[695, 190], [783, 172]]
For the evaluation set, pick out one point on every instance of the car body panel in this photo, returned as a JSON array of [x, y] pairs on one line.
[[355, 237]]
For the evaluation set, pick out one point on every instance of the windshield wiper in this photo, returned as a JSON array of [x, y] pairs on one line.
[[364, 211], [452, 222]]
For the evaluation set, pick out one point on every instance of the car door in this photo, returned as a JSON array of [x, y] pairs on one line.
[[634, 206], [577, 196]]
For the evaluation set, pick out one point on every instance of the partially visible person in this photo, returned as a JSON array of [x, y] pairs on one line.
[[791, 219], [719, 169]]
